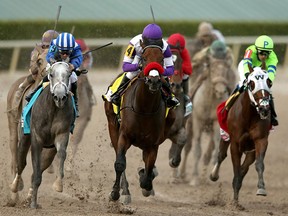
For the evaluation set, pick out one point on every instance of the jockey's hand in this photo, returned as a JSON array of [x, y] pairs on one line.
[[246, 75], [52, 61], [140, 66], [245, 82], [71, 67]]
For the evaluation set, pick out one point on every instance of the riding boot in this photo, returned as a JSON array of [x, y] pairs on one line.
[[171, 100], [28, 80], [185, 86], [116, 97], [75, 96], [232, 98], [274, 120], [29, 96]]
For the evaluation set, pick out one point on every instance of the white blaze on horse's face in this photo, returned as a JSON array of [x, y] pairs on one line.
[[59, 82], [153, 73]]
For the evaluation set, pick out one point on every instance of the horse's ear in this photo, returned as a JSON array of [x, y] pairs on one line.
[[263, 67], [250, 68]]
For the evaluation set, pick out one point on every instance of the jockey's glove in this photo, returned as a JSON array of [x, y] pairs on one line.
[[52, 60], [71, 67], [48, 66]]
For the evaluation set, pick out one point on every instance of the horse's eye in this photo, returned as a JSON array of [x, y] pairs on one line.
[[251, 85]]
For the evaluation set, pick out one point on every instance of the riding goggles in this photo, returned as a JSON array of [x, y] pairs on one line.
[[65, 52], [264, 52]]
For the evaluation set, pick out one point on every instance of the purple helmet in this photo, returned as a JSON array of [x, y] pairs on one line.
[[152, 31]]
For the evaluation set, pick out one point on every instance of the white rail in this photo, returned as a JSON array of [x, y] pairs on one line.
[[234, 42]]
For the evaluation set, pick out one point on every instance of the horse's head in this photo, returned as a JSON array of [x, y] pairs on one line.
[[152, 62], [42, 63], [176, 78], [259, 85], [59, 75], [219, 77]]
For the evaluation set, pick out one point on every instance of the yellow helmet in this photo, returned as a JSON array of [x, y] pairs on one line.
[[264, 42]]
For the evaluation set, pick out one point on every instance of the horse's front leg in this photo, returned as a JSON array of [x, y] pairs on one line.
[[119, 166], [222, 154], [147, 175], [178, 143], [61, 142], [259, 164], [237, 179], [125, 195]]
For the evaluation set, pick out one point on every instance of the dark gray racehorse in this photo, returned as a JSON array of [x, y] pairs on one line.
[[177, 133], [51, 118]]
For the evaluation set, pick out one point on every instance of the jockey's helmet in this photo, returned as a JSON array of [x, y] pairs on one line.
[[48, 36], [65, 41], [82, 44], [204, 28], [152, 31], [218, 49], [176, 40], [264, 43]]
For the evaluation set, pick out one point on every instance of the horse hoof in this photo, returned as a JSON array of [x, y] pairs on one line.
[[35, 206], [58, 186], [214, 178], [114, 196], [261, 192], [146, 193], [125, 199]]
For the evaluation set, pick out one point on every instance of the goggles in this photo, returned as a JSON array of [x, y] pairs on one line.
[[264, 52], [65, 52]]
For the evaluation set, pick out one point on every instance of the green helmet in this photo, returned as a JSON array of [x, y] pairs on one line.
[[218, 49], [264, 42]]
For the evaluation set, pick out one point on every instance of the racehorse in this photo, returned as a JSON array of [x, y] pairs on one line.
[[248, 122], [143, 123], [177, 132], [14, 110], [52, 117], [213, 90]]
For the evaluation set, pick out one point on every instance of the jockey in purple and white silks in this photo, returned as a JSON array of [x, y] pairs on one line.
[[132, 64]]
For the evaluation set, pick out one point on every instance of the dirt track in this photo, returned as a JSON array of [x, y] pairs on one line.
[[86, 189]]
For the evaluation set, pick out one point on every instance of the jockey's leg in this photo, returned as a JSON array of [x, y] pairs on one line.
[[75, 96], [116, 97], [28, 80], [274, 120], [185, 86], [28, 97], [170, 99]]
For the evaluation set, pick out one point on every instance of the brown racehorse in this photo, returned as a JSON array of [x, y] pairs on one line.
[[249, 122], [143, 123]]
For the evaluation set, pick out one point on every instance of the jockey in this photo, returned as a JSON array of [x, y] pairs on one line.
[[61, 48], [173, 41], [261, 51], [201, 61], [47, 37], [151, 35], [204, 37]]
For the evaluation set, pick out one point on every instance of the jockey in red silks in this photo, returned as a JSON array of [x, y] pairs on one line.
[[132, 63], [173, 42]]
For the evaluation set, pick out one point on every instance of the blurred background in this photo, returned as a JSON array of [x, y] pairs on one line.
[[99, 22]]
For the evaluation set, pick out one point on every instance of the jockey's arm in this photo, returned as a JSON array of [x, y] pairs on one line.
[[186, 64], [131, 60], [76, 62], [168, 63]]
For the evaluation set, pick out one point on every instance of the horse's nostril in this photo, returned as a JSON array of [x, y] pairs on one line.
[[64, 98]]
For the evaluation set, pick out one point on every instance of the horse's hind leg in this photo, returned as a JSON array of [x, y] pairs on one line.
[[24, 145], [222, 154], [125, 196]]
